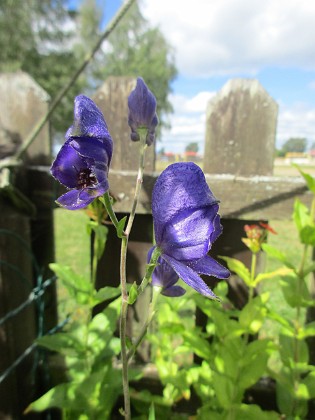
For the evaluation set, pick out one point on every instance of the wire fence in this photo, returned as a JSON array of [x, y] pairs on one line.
[[35, 297]]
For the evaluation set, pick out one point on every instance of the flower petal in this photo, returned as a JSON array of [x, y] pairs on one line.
[[181, 186], [188, 235], [75, 199], [91, 148], [142, 106], [163, 274], [190, 277], [211, 267], [88, 121], [174, 291], [67, 165]]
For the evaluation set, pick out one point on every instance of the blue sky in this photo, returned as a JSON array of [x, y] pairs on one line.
[[216, 40]]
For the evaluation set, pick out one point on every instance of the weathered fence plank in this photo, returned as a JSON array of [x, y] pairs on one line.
[[240, 130], [27, 212], [258, 197]]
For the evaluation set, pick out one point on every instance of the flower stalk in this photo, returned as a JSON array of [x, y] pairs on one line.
[[123, 277]]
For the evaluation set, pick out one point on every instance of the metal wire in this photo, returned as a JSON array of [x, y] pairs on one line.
[[29, 350]]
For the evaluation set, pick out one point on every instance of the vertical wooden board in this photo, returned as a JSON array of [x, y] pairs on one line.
[[112, 99], [240, 130], [19, 332], [24, 105]]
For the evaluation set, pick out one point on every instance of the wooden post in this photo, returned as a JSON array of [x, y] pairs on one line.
[[240, 137], [111, 98], [26, 211]]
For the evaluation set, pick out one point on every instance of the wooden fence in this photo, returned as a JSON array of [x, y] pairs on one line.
[[239, 147]]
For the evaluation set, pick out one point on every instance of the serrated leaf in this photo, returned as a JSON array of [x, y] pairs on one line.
[[239, 268], [295, 290], [61, 396], [78, 286], [277, 254]]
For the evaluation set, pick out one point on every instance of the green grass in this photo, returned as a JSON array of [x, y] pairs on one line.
[[72, 248], [72, 240]]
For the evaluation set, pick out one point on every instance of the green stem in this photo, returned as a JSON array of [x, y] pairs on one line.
[[150, 268], [109, 209], [252, 276], [144, 329], [143, 147], [123, 277]]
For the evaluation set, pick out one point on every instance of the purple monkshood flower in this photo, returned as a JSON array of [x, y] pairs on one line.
[[186, 223], [83, 161], [164, 276], [142, 112]]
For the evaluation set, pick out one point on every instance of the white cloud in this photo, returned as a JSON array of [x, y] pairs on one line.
[[188, 124], [228, 36], [296, 121]]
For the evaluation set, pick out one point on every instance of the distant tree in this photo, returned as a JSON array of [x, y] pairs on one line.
[[47, 41], [312, 146], [137, 49], [192, 147], [295, 144], [33, 38]]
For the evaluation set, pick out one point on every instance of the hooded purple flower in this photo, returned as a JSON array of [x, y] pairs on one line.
[[83, 161], [164, 276], [142, 112], [186, 223]]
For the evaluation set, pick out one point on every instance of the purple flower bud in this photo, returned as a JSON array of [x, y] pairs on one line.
[[142, 112], [186, 223], [164, 276], [83, 161]]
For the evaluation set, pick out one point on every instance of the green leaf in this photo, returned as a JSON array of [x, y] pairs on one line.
[[106, 293], [61, 396], [254, 363], [271, 275], [276, 254], [101, 232], [224, 390], [252, 411], [288, 402], [77, 286], [66, 343], [295, 290], [307, 331], [289, 347], [309, 269], [121, 226], [239, 268], [304, 223], [309, 382], [133, 294], [310, 181], [307, 235], [199, 345], [253, 314], [151, 412], [281, 320]]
